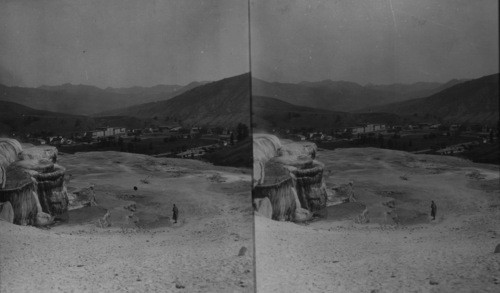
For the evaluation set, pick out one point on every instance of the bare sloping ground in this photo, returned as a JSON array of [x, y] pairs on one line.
[[142, 250], [400, 249]]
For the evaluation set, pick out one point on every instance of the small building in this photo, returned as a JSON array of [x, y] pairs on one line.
[[119, 130], [357, 129], [192, 153], [107, 131], [176, 129], [397, 128], [195, 131], [317, 136], [40, 141], [94, 134], [369, 128]]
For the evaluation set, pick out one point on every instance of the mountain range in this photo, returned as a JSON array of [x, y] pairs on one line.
[[222, 103], [227, 102], [475, 102], [88, 100], [343, 95]]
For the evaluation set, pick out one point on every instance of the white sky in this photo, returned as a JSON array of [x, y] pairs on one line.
[[121, 42], [374, 41]]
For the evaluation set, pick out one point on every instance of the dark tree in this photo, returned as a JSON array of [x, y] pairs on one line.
[[130, 147], [242, 131], [381, 140]]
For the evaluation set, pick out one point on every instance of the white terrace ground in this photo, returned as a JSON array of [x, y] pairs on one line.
[[452, 254], [200, 253]]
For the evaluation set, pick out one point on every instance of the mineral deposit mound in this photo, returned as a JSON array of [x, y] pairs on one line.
[[288, 175], [32, 183]]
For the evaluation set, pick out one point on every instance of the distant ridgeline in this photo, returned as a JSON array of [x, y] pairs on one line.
[[32, 187], [332, 105], [77, 108], [288, 182]]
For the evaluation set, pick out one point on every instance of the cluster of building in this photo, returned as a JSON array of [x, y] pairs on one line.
[[366, 128], [102, 132], [360, 130], [336, 133], [200, 151], [458, 148], [181, 132]]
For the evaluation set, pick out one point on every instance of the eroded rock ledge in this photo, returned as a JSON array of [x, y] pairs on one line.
[[31, 183], [287, 174]]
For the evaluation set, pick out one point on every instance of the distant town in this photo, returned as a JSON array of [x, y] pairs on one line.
[[160, 141], [429, 138]]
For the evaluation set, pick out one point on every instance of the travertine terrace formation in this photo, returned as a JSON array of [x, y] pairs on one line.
[[288, 175], [32, 182]]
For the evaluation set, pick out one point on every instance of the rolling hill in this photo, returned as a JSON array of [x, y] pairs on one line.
[[270, 113], [222, 103], [87, 100], [21, 119], [16, 118], [473, 102]]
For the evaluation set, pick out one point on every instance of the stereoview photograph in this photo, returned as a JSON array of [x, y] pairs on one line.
[[249, 146]]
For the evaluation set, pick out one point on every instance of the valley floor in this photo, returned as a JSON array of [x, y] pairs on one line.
[[400, 249]]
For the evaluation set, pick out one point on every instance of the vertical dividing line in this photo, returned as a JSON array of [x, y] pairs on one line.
[[251, 143]]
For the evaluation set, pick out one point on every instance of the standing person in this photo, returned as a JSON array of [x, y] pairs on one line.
[[433, 210], [176, 213], [93, 202]]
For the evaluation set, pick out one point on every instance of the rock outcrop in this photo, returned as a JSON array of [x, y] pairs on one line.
[[9, 151], [263, 207], [288, 175], [6, 212], [32, 183], [302, 215], [280, 195], [311, 189], [42, 152], [52, 191], [342, 192], [18, 190]]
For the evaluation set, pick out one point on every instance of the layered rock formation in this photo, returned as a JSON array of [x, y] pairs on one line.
[[18, 190], [287, 173], [32, 183]]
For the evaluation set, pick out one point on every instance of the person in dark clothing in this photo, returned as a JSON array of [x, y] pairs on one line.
[[176, 213], [433, 210]]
